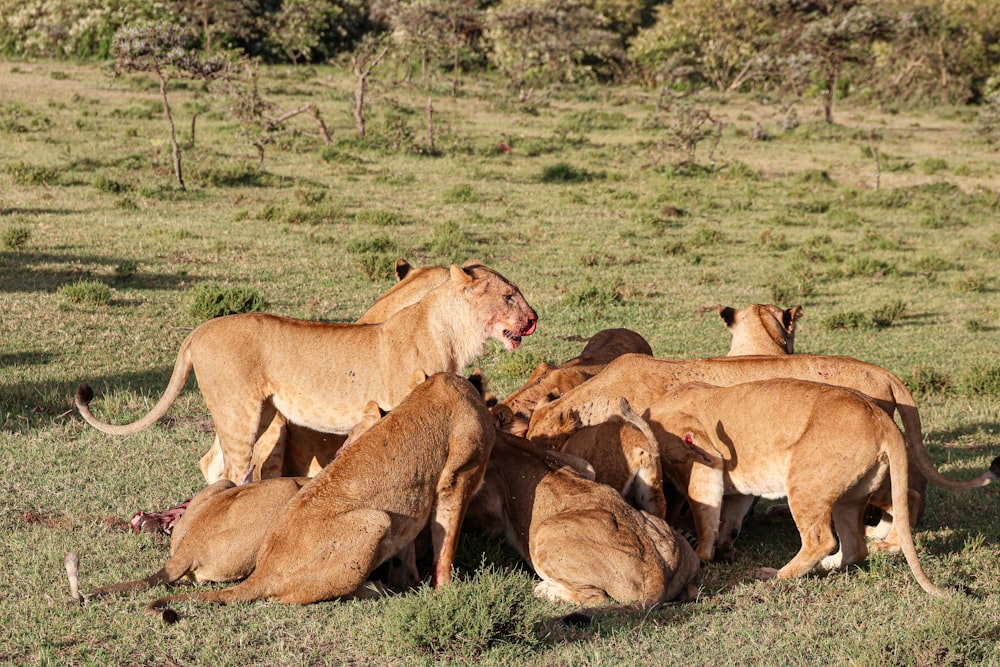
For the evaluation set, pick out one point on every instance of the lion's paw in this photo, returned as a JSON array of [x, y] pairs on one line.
[[765, 573]]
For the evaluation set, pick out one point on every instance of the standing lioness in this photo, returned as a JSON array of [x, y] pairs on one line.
[[322, 375]]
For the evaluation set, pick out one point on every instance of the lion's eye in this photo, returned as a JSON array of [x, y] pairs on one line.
[[509, 297]]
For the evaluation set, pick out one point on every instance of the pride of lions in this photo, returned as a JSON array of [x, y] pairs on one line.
[[345, 451]]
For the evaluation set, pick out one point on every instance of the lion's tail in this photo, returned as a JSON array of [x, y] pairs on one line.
[[895, 448], [910, 417], [182, 367], [238, 593]]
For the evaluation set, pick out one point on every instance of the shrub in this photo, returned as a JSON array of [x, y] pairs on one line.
[[87, 291], [849, 319], [594, 296], [449, 241], [126, 270], [972, 282], [468, 618], [29, 174], [15, 238], [211, 299], [562, 172], [981, 380], [868, 267], [927, 380], [933, 165], [373, 244], [379, 217], [460, 194]]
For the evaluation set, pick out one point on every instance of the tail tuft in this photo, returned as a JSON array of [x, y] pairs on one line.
[[84, 394], [995, 468], [576, 619], [169, 616]]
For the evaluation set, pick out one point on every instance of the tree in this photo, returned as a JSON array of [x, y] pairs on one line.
[[161, 48], [557, 39], [215, 20], [366, 58], [437, 30]]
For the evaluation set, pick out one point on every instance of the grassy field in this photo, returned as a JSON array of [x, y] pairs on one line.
[[100, 254]]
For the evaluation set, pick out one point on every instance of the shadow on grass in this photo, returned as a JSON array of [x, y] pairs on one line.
[[20, 275], [36, 404]]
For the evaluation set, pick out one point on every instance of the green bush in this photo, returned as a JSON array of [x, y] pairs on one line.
[[563, 172], [928, 380], [211, 299], [981, 380], [15, 238], [468, 618], [29, 174], [594, 296], [92, 292]]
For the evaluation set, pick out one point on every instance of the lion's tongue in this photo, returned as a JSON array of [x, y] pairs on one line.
[[531, 329]]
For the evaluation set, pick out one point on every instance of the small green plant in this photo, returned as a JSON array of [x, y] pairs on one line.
[[211, 299], [104, 183], [449, 241], [86, 291], [974, 325], [814, 177], [563, 172], [126, 270], [933, 165], [594, 296], [468, 618], [981, 380], [773, 240], [706, 236], [928, 380], [868, 267], [378, 217], [887, 314], [972, 282], [931, 264], [15, 238], [460, 194], [373, 244], [848, 319], [29, 174]]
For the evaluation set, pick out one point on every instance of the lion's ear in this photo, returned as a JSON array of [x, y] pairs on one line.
[[402, 269], [503, 416], [417, 378], [459, 275], [728, 315]]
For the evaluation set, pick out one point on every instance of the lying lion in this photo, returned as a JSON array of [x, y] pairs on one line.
[[429, 452], [219, 534], [548, 382], [777, 438], [581, 538], [321, 375], [642, 379], [761, 329]]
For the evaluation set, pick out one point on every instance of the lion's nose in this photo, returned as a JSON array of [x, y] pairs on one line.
[[532, 322]]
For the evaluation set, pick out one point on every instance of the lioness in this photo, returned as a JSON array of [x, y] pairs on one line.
[[219, 534], [761, 329], [642, 379], [418, 466], [321, 375], [547, 382], [286, 449], [774, 439], [581, 538]]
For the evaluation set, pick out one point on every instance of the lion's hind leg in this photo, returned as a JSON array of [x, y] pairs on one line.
[[814, 525]]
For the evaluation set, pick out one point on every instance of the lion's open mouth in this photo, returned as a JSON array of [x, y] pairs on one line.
[[515, 341]]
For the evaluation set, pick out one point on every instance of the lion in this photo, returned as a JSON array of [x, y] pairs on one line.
[[581, 538], [625, 455], [289, 450], [321, 375], [219, 534], [548, 382], [761, 329], [430, 453], [767, 441], [642, 379]]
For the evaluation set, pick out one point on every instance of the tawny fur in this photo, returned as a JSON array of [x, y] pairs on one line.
[[417, 467], [321, 375], [218, 536], [548, 382], [625, 455], [761, 329], [584, 542], [642, 379], [825, 448], [289, 450]]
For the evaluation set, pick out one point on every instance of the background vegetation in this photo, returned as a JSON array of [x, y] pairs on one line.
[[622, 205]]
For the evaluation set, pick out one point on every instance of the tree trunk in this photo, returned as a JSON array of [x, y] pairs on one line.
[[173, 134], [359, 102]]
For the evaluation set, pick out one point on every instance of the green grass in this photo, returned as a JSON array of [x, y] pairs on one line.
[[604, 240]]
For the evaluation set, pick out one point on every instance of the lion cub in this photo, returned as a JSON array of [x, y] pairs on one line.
[[825, 448]]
